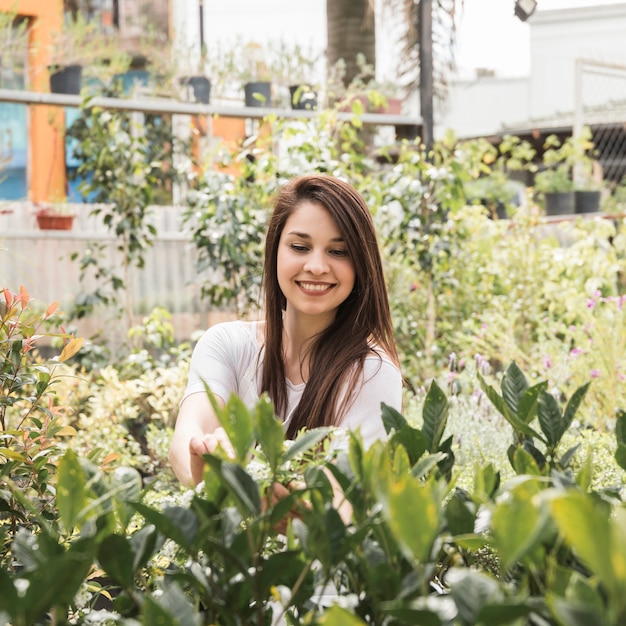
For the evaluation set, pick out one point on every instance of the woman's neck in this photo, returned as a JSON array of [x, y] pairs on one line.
[[299, 332]]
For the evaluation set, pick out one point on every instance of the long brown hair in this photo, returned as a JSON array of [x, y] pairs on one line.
[[363, 321]]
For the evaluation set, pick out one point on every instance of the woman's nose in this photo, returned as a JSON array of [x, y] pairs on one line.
[[316, 263]]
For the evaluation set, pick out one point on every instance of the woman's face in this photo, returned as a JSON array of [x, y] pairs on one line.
[[315, 271]]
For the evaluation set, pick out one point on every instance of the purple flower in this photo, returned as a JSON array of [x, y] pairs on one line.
[[595, 373]]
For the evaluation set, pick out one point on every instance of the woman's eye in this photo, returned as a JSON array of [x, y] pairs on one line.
[[298, 248], [339, 253]]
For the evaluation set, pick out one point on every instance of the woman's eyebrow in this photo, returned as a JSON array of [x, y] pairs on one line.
[[307, 236]]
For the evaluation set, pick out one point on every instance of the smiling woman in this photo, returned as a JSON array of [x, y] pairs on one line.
[[325, 352]]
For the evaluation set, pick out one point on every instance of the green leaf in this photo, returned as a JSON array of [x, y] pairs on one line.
[[527, 407], [413, 440], [171, 608], [620, 455], [435, 415], [427, 463], [518, 523], [306, 441], [514, 385], [243, 487], [269, 432], [71, 496], [572, 612], [550, 419], [177, 523], [460, 513], [597, 532], [573, 405], [413, 512], [524, 462], [236, 420], [116, 559], [519, 426], [337, 616], [486, 481], [392, 419]]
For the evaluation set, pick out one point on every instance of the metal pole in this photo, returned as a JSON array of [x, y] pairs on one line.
[[201, 11], [426, 71]]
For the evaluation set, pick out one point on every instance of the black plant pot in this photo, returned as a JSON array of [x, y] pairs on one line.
[[67, 80], [303, 97], [559, 202], [200, 88], [258, 94], [586, 201]]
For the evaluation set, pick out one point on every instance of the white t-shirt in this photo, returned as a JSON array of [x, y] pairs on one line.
[[227, 359]]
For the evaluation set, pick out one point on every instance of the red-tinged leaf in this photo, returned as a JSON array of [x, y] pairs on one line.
[[51, 309], [71, 348], [8, 298], [24, 297]]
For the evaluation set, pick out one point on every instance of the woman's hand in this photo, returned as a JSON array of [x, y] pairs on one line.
[[209, 443]]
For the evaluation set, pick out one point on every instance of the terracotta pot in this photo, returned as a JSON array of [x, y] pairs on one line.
[[47, 221]]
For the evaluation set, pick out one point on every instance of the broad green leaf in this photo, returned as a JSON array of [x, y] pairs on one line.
[[269, 432], [156, 615], [460, 513], [550, 419], [620, 455], [573, 405], [435, 415], [306, 441], [116, 558], [143, 543], [326, 536], [513, 385], [236, 420], [71, 496], [505, 612], [413, 440], [413, 512], [337, 616], [243, 487], [524, 462], [392, 419], [12, 454], [572, 612], [470, 591], [127, 484], [486, 481], [518, 425], [598, 535], [177, 523], [518, 523], [58, 582], [585, 473], [527, 407], [172, 607], [426, 464]]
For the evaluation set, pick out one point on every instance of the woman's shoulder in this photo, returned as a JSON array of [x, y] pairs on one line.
[[233, 331]]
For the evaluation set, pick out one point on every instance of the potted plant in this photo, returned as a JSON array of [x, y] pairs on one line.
[[586, 173], [55, 216], [14, 47], [256, 76], [554, 180], [81, 53], [190, 74], [295, 71]]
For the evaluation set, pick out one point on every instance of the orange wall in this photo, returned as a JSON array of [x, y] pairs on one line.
[[46, 155]]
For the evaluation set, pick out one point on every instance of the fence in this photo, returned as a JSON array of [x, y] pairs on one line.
[[41, 261]]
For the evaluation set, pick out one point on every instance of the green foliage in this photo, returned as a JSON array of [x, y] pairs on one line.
[[125, 167], [415, 548]]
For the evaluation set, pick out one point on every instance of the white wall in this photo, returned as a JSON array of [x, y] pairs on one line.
[[486, 105], [557, 39]]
